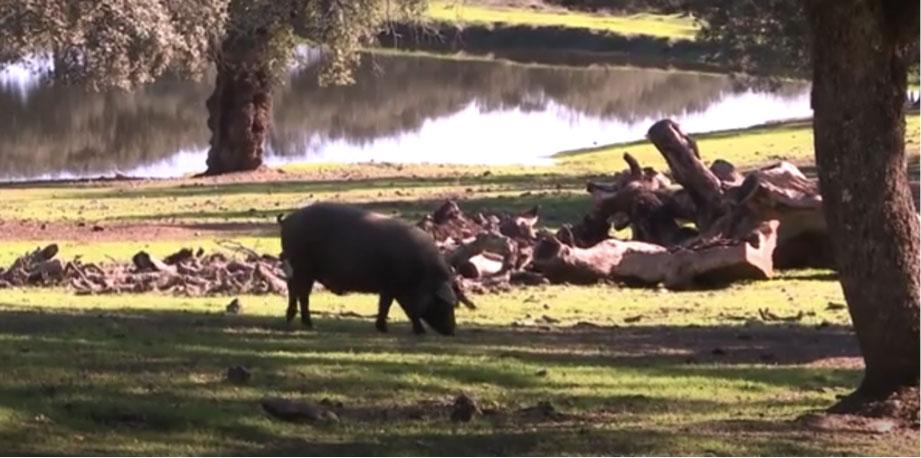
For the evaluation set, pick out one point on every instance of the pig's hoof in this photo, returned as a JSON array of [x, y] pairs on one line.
[[418, 330], [307, 324], [381, 326]]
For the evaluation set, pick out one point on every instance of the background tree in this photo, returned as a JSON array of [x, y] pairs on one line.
[[258, 46], [125, 43], [861, 54]]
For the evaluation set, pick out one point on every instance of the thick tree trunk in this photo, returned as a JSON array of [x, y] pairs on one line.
[[239, 110], [861, 51]]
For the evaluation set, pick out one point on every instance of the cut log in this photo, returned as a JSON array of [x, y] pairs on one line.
[[782, 193], [610, 259], [639, 262], [460, 257], [480, 266]]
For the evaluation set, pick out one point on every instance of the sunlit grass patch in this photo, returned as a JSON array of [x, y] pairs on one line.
[[790, 141], [657, 25]]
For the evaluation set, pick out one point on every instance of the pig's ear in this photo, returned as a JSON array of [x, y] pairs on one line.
[[446, 293]]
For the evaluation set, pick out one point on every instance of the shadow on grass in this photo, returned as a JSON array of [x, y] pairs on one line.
[[156, 378]]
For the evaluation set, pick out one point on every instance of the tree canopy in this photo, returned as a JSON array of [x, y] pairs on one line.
[[765, 38], [123, 43]]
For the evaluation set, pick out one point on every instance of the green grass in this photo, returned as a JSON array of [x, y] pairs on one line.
[[634, 369], [145, 375], [665, 26], [790, 141]]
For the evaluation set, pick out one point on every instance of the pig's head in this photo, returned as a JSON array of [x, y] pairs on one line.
[[438, 311]]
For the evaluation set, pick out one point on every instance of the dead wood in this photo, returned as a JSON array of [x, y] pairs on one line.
[[646, 263], [680, 151]]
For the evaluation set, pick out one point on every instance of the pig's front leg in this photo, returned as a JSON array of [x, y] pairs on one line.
[[383, 309], [304, 298]]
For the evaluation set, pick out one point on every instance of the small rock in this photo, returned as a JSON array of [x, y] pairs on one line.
[[549, 319], [238, 374], [718, 351], [294, 411], [234, 307], [835, 306], [543, 409], [633, 319], [333, 404], [541, 373], [464, 409], [585, 324], [98, 228], [744, 336]]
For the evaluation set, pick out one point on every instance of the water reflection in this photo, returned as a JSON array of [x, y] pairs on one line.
[[403, 109]]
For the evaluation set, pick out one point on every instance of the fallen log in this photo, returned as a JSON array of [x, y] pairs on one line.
[[645, 263], [461, 258], [683, 158]]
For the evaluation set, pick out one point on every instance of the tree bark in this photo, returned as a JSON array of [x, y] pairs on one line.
[[239, 109], [861, 52]]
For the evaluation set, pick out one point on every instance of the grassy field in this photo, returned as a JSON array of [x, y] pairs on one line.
[[657, 25], [627, 370], [791, 141]]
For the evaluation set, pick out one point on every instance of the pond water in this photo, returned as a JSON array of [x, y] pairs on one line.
[[404, 108]]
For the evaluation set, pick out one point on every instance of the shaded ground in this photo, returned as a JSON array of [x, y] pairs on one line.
[[152, 381]]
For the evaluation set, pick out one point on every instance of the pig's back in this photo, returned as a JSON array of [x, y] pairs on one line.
[[350, 249]]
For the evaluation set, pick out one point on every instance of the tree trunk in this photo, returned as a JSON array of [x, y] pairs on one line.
[[861, 51], [239, 110]]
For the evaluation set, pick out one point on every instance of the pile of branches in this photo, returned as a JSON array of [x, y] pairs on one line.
[[489, 251], [185, 272], [696, 226]]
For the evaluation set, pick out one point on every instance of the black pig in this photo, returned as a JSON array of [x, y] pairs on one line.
[[348, 249]]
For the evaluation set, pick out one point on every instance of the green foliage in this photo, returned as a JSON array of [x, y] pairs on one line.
[[759, 37], [107, 43], [123, 44]]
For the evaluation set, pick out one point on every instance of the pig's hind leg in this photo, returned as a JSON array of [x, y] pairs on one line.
[[299, 288]]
